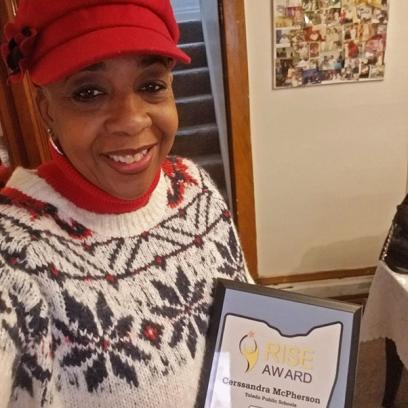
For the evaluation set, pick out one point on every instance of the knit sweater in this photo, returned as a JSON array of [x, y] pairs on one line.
[[110, 310]]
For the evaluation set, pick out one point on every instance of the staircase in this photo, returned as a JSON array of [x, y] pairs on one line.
[[197, 137]]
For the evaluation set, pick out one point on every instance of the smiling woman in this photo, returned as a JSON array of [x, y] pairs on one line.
[[104, 106], [108, 251]]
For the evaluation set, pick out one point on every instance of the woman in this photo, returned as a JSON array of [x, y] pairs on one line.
[[109, 252]]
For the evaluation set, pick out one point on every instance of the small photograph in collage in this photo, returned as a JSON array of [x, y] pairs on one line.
[[283, 38], [331, 16], [377, 71], [315, 33], [314, 50], [289, 13], [285, 52], [319, 42], [302, 50]]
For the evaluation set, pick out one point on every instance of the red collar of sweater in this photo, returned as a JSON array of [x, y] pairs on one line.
[[67, 181]]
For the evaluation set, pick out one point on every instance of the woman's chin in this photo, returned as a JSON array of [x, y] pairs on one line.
[[129, 187]]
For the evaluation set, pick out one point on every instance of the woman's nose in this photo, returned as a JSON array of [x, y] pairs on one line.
[[128, 115]]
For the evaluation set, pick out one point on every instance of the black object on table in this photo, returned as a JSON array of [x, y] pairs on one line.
[[395, 255], [393, 373]]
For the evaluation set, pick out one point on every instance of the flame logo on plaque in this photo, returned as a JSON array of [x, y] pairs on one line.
[[249, 349]]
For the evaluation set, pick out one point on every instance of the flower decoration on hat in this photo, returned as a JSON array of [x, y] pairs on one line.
[[17, 49]]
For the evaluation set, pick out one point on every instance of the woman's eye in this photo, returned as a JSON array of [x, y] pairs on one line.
[[87, 94], [153, 87]]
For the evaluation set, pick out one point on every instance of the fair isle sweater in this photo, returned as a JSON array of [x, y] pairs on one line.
[[109, 310]]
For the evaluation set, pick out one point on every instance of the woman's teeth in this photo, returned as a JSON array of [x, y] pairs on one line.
[[128, 158]]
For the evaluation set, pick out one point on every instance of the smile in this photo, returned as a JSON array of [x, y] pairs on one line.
[[128, 158], [130, 162]]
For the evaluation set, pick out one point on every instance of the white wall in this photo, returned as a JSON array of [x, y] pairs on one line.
[[330, 162]]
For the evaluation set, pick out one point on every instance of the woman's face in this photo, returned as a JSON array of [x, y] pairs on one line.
[[115, 121]]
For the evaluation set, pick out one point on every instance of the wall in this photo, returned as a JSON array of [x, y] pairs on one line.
[[330, 162]]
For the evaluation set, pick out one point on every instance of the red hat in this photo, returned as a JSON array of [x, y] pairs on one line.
[[52, 39]]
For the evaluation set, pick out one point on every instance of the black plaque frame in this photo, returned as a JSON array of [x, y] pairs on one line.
[[226, 289]]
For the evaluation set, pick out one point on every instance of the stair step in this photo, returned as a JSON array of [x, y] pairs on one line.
[[195, 110], [189, 82], [214, 166], [197, 53], [191, 31], [197, 141]]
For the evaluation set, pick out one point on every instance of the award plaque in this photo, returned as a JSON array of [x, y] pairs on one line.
[[271, 348]]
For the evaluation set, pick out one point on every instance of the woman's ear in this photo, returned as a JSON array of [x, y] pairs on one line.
[[43, 104]]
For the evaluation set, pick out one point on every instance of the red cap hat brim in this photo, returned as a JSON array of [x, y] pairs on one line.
[[99, 45]]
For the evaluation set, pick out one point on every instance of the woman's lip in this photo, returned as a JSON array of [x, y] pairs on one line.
[[133, 167]]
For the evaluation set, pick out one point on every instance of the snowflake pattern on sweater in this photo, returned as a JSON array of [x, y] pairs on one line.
[[110, 310]]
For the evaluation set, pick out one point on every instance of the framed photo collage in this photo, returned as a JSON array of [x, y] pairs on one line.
[[319, 42]]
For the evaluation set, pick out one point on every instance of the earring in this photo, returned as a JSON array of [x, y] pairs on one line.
[[53, 142]]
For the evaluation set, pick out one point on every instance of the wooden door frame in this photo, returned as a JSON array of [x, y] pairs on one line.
[[233, 37], [24, 133]]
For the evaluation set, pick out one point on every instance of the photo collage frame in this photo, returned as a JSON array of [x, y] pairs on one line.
[[319, 42]]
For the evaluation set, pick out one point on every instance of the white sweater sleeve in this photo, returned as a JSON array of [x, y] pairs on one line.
[[7, 356], [25, 333]]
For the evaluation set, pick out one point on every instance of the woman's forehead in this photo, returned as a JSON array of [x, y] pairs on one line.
[[139, 60], [111, 65]]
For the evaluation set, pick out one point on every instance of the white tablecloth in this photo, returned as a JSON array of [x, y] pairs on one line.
[[386, 312]]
